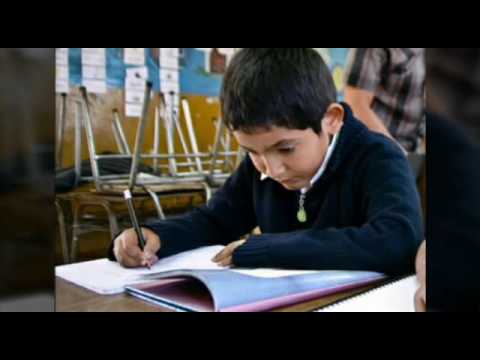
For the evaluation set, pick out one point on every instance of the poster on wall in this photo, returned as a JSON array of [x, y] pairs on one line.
[[336, 59], [61, 70], [202, 69], [94, 70], [135, 83], [189, 71], [169, 75]]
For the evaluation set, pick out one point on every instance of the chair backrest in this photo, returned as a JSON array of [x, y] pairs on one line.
[[224, 160], [184, 161], [119, 134], [84, 113]]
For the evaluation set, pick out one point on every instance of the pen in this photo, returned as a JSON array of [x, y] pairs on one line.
[[133, 217]]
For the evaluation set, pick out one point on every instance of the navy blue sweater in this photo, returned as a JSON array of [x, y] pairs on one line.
[[363, 213]]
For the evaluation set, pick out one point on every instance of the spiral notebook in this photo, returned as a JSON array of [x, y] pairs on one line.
[[246, 290], [397, 296], [109, 278]]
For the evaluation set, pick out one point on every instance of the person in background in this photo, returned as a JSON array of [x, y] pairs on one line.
[[385, 88]]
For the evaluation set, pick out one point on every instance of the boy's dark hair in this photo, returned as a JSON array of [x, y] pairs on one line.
[[287, 87]]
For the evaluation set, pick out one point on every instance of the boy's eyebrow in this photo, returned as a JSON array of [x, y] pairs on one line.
[[247, 149], [278, 144]]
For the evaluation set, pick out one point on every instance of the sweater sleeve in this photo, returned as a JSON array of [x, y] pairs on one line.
[[387, 242], [225, 218]]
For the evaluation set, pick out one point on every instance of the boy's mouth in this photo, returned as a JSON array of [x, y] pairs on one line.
[[290, 181]]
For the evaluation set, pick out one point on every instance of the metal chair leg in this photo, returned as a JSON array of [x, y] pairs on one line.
[[63, 232]]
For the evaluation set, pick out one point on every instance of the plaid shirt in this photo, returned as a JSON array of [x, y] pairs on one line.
[[397, 78]]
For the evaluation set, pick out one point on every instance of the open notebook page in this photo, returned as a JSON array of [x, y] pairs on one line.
[[107, 277], [397, 296]]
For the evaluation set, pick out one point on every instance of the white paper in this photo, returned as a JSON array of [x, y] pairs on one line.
[[95, 86], [140, 72], [107, 277], [135, 83], [170, 52], [61, 70], [272, 273], [94, 71], [62, 86], [394, 297], [134, 56], [169, 76], [61, 56], [62, 79], [167, 87], [166, 62], [135, 97], [133, 110], [93, 56]]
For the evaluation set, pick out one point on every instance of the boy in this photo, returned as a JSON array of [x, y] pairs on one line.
[[325, 191]]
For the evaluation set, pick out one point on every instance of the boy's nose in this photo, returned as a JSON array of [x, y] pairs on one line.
[[274, 167]]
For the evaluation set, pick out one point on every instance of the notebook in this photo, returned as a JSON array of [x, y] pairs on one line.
[[245, 290], [108, 277], [190, 281], [397, 296]]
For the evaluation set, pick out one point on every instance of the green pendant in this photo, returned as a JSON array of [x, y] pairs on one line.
[[302, 215]]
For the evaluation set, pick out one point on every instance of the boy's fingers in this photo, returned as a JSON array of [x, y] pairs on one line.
[[130, 262], [132, 250], [228, 251], [126, 252], [226, 262], [240, 243], [150, 261], [420, 305], [152, 245], [128, 240], [221, 255]]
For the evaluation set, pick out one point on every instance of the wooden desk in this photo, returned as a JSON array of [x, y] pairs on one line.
[[71, 298]]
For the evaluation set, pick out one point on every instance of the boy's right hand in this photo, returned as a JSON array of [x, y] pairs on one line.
[[127, 249]]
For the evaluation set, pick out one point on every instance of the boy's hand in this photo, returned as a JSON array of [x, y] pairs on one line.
[[225, 257], [421, 300], [127, 249], [421, 266]]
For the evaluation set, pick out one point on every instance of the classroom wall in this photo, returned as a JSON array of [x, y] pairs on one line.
[[200, 83], [204, 111]]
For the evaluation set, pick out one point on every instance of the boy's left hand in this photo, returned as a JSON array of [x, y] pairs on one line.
[[421, 267], [225, 257]]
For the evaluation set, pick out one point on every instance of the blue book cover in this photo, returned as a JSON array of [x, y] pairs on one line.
[[245, 291]]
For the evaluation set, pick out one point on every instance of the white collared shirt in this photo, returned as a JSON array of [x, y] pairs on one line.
[[320, 171]]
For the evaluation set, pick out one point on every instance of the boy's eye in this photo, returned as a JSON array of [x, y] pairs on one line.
[[288, 150]]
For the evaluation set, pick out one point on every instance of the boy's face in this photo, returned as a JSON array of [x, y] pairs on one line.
[[291, 157]]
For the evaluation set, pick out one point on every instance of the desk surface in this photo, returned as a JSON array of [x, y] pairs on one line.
[[71, 298]]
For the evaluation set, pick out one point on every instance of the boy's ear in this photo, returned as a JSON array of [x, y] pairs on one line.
[[333, 121]]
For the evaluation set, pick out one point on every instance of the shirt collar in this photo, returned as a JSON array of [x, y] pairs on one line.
[[320, 171]]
